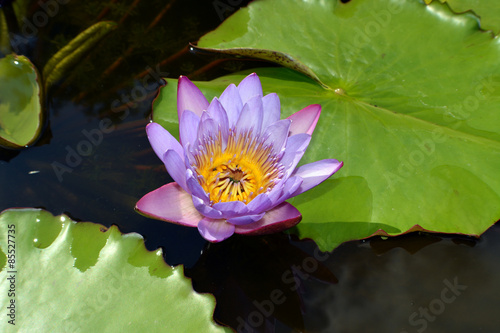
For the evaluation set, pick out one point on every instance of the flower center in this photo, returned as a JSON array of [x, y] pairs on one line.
[[245, 168]]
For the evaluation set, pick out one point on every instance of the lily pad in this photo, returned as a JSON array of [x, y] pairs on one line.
[[487, 10], [411, 104], [71, 277], [21, 112]]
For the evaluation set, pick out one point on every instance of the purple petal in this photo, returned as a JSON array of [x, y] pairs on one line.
[[305, 120], [207, 127], [189, 159], [260, 203], [231, 209], [189, 97], [266, 200], [272, 109], [219, 115], [251, 116], [161, 140], [170, 203], [176, 168], [280, 218], [277, 134], [215, 230], [250, 87], [315, 173], [295, 148], [242, 220], [189, 122], [205, 209], [231, 101], [194, 186], [291, 185]]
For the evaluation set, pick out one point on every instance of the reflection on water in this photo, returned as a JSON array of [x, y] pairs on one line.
[[94, 162], [409, 283]]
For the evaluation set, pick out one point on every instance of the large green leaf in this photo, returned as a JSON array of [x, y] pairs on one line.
[[487, 10], [63, 276], [21, 116], [410, 104]]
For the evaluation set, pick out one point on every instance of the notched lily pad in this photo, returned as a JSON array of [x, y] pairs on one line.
[[84, 277], [21, 110]]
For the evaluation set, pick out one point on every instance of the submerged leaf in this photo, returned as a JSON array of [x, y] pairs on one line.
[[4, 35], [71, 54]]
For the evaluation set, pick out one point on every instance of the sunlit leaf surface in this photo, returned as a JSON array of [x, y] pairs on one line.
[[487, 10], [410, 97], [82, 277]]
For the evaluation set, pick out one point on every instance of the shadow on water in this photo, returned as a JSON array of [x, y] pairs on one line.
[[412, 283]]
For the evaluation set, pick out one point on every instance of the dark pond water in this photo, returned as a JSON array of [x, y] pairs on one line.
[[413, 283]]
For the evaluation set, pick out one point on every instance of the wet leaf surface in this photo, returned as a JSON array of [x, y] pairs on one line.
[[90, 274]]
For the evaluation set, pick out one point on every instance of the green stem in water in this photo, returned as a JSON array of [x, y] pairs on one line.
[[67, 57]]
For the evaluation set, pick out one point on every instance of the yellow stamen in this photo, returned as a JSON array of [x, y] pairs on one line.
[[244, 169]]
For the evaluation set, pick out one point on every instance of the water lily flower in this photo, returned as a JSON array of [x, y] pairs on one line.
[[235, 164]]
